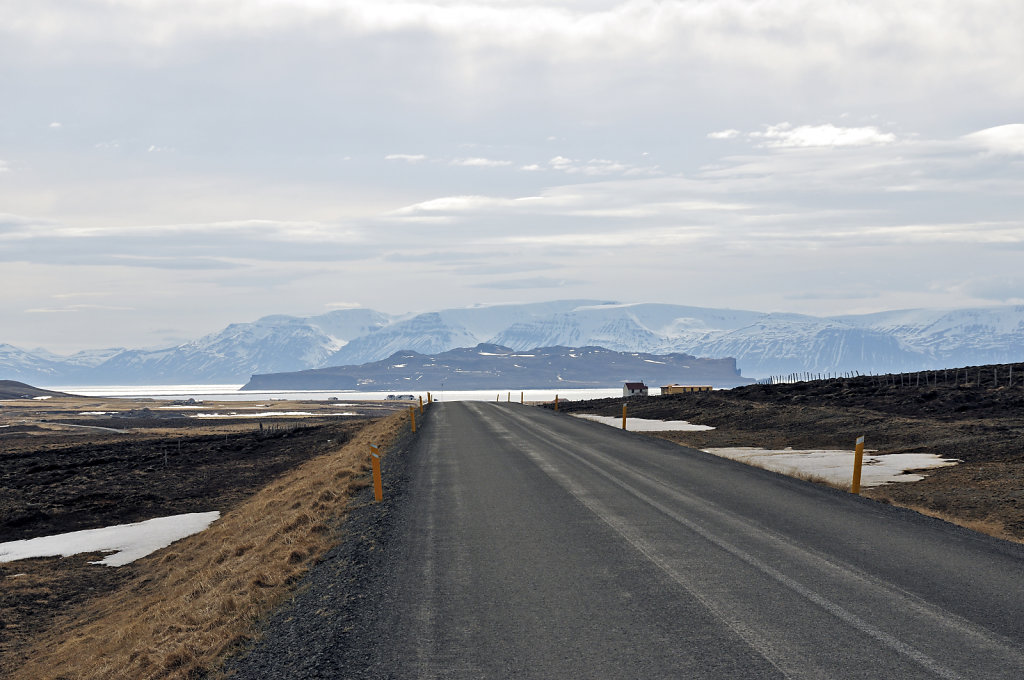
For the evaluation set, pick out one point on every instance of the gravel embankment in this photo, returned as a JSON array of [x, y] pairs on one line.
[[323, 630]]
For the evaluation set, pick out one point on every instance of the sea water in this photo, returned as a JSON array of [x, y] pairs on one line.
[[223, 392]]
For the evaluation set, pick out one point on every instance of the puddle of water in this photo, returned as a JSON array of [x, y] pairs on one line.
[[837, 466], [644, 425], [127, 542]]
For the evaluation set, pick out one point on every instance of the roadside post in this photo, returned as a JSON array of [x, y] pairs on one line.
[[421, 405], [430, 398], [412, 417], [623, 416], [378, 485], [520, 397], [858, 461], [508, 398], [556, 403]]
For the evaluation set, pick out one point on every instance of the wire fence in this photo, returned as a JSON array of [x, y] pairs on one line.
[[993, 376]]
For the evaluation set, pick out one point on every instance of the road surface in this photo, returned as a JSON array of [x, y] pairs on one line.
[[530, 544]]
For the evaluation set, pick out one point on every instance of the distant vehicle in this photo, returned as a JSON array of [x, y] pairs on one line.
[[402, 396]]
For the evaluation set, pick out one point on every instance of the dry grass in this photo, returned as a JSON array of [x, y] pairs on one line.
[[989, 526], [202, 597]]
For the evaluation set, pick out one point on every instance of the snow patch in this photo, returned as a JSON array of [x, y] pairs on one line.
[[645, 425], [267, 414], [127, 542], [837, 466]]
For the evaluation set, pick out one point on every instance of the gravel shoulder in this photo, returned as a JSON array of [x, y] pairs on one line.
[[325, 629]]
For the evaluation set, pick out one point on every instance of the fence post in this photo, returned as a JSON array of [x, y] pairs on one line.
[[378, 484], [623, 416], [858, 461]]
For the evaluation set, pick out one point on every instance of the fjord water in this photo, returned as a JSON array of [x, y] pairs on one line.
[[233, 393]]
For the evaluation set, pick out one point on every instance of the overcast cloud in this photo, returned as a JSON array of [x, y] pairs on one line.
[[168, 167]]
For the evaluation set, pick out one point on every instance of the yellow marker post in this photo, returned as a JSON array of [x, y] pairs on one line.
[[508, 398], [497, 397], [556, 402], [430, 398], [378, 484], [421, 405], [623, 416], [412, 417], [520, 397], [858, 461]]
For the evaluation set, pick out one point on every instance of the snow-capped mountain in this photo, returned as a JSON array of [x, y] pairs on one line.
[[762, 344]]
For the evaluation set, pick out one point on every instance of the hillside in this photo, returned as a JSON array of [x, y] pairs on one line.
[[12, 389], [495, 367]]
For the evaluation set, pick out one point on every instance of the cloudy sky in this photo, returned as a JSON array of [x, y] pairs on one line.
[[170, 166]]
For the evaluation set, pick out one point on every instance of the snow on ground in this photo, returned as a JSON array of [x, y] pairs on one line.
[[644, 425], [266, 414], [127, 542], [837, 466]]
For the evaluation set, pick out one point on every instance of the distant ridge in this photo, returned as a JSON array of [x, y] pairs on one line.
[[12, 389], [489, 366]]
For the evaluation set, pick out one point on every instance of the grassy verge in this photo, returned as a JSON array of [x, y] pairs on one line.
[[201, 598]]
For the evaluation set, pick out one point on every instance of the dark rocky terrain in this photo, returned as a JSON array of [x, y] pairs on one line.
[[64, 470]]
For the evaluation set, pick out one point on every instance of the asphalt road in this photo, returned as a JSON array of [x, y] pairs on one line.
[[530, 544]]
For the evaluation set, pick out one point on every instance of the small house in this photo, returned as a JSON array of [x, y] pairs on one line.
[[634, 389], [682, 389]]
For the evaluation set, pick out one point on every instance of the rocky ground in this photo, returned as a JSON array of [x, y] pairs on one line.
[[975, 415], [71, 463]]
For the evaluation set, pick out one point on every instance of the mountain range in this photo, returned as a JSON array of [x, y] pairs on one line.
[[762, 343]]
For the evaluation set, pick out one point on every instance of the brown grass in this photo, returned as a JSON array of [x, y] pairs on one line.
[[202, 597], [989, 526]]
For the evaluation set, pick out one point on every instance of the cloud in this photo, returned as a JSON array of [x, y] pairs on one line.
[[1004, 139], [785, 135], [1008, 289], [598, 167], [724, 134], [407, 157], [534, 282], [343, 305], [71, 309], [480, 163]]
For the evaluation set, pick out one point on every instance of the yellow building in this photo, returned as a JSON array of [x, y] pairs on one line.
[[680, 389]]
